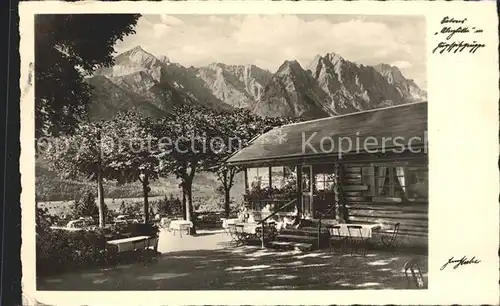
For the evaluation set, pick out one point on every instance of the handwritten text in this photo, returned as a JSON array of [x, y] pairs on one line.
[[460, 262], [452, 28]]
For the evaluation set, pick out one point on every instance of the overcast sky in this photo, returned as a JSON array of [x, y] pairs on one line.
[[268, 40]]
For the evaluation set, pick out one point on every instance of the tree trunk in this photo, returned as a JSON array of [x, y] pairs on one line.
[[299, 189], [227, 201], [184, 202], [226, 192], [100, 198], [145, 188], [190, 210]]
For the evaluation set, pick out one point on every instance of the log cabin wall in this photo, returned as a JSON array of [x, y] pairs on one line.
[[363, 207]]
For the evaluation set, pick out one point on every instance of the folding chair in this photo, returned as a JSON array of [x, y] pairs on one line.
[[243, 236], [233, 233], [356, 241], [415, 276], [335, 238], [225, 226], [390, 241], [165, 224]]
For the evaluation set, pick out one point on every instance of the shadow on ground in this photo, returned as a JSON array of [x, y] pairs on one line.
[[245, 268]]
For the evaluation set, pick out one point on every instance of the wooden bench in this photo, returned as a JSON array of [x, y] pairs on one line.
[[135, 243]]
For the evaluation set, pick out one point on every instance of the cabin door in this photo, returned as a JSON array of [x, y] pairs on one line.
[[307, 191]]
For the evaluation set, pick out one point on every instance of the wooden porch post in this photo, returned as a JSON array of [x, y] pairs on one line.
[[270, 177], [337, 191], [299, 188], [339, 196], [246, 178]]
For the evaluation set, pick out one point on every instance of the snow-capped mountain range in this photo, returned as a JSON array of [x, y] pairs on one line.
[[330, 85]]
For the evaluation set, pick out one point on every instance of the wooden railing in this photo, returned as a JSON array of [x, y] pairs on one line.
[[281, 208]]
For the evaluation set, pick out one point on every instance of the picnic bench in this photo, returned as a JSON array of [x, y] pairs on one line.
[[135, 243]]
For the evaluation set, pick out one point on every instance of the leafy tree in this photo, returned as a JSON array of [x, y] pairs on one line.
[[85, 206], [151, 213], [67, 47], [123, 208], [133, 151], [238, 128], [131, 208], [43, 220], [79, 156], [190, 144], [169, 205]]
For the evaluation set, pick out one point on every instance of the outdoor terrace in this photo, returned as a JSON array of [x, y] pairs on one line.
[[208, 261]]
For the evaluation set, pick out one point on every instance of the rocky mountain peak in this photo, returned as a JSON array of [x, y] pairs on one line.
[[164, 59], [406, 87], [236, 85], [132, 61], [139, 56], [216, 66], [331, 60], [391, 73], [331, 85], [289, 66], [315, 64], [136, 49], [334, 58]]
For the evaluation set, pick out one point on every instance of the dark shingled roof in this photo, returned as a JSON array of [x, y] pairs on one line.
[[370, 131]]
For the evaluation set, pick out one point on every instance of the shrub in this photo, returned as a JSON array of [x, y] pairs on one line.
[[168, 206], [85, 205], [60, 250], [208, 203], [131, 208], [208, 220], [135, 229], [43, 220]]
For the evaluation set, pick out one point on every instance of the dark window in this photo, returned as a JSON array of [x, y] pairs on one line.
[[277, 177], [258, 177], [406, 181], [324, 181]]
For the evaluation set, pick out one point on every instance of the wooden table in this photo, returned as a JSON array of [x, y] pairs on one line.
[[366, 229], [246, 231], [253, 231], [180, 226], [247, 228], [355, 238], [227, 222], [135, 243]]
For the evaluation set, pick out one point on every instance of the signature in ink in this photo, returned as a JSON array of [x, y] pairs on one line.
[[460, 262]]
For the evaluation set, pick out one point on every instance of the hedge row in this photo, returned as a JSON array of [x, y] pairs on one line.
[[60, 250]]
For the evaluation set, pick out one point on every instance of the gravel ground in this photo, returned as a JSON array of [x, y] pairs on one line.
[[208, 261]]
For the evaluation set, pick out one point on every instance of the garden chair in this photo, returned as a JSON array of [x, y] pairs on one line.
[[413, 274], [356, 240], [225, 226], [389, 242], [244, 236], [335, 238], [233, 233], [165, 223]]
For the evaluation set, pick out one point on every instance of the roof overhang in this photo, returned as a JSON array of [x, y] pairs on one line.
[[373, 133]]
